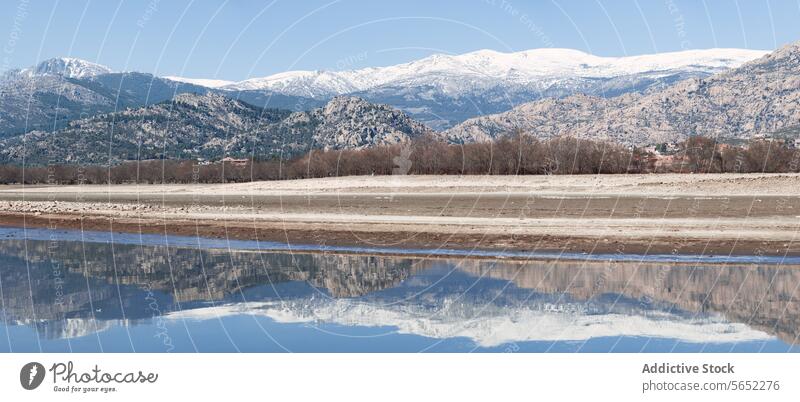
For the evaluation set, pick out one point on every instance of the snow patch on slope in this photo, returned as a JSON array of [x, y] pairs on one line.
[[203, 82]]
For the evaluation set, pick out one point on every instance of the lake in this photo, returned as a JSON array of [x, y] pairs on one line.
[[67, 291]]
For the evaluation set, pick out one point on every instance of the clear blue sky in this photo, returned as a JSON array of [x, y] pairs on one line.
[[238, 39]]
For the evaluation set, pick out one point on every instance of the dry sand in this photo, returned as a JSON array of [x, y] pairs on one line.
[[667, 213]]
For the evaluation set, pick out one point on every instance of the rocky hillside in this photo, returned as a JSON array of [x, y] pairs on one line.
[[210, 127], [46, 102], [349, 122], [759, 98]]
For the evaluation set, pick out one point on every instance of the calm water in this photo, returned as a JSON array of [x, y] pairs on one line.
[[64, 291]]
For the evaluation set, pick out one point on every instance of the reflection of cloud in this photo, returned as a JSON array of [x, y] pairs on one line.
[[494, 326]]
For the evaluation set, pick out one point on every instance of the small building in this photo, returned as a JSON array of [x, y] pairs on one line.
[[672, 147], [234, 161]]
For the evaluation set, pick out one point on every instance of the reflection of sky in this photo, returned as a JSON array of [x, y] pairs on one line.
[[438, 307], [259, 334]]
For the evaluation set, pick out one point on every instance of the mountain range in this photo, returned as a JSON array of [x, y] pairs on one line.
[[443, 90], [57, 91], [440, 90], [759, 98], [71, 110]]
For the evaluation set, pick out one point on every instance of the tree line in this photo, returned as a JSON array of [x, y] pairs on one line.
[[517, 154]]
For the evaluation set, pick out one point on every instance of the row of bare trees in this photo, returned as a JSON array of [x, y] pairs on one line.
[[704, 155], [511, 155]]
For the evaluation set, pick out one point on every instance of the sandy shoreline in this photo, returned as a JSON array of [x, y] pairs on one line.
[[653, 214]]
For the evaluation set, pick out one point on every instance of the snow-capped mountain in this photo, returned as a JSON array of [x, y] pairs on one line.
[[443, 90], [66, 67], [759, 98], [523, 68], [440, 91], [313, 84], [49, 95]]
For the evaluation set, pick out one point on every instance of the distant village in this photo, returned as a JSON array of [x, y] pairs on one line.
[[673, 156]]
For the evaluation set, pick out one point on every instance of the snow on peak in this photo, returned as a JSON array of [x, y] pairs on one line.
[[312, 84], [488, 67], [203, 82], [68, 67], [711, 60]]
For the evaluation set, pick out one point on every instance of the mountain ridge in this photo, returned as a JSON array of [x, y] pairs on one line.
[[444, 90], [544, 62], [659, 106], [68, 67], [759, 98], [54, 92]]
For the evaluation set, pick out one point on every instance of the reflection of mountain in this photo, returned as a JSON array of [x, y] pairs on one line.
[[75, 327], [79, 288], [492, 325], [758, 296], [495, 303], [79, 280]]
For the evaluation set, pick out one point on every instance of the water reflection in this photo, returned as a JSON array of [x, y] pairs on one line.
[[82, 296]]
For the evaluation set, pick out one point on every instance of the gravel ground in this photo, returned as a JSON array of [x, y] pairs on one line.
[[693, 213]]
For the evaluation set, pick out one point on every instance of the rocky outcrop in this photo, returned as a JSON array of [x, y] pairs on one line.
[[349, 123]]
